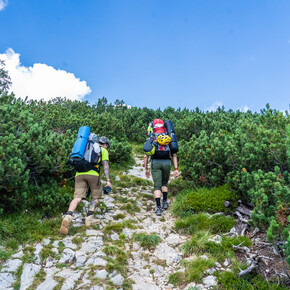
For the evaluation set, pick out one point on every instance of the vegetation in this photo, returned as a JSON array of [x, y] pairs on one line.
[[224, 156], [147, 241]]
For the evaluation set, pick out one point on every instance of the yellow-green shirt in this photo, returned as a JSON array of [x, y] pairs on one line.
[[150, 129], [104, 156]]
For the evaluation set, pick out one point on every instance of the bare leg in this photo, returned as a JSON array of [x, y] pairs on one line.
[[74, 203], [93, 204]]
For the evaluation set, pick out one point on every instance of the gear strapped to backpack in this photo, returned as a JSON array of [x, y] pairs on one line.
[[86, 152], [158, 145]]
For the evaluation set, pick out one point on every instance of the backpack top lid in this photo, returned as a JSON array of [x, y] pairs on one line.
[[158, 126]]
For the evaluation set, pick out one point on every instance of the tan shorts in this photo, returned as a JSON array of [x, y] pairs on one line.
[[82, 182]]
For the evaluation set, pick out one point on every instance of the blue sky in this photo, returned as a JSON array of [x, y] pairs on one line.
[[153, 53]]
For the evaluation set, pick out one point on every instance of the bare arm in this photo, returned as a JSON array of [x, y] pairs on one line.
[[175, 163], [107, 172], [147, 172]]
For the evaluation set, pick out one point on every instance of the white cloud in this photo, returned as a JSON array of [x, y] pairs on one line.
[[214, 107], [244, 109], [41, 81], [3, 4]]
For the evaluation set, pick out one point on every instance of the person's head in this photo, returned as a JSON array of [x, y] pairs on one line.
[[104, 142]]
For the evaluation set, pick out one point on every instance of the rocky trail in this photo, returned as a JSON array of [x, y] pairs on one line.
[[132, 248]]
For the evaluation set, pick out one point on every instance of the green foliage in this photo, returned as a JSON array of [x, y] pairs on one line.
[[205, 199], [194, 270], [200, 244], [229, 280], [147, 241], [118, 227], [215, 224], [18, 229]]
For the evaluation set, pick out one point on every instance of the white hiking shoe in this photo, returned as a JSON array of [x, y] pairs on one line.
[[65, 224], [90, 221]]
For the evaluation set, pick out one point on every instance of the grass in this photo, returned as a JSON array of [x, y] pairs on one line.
[[202, 221], [118, 227], [119, 216], [209, 200], [147, 241], [194, 271], [199, 244], [23, 228], [119, 263], [131, 207], [229, 280]]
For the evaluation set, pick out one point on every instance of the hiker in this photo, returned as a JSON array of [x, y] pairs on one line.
[[150, 129], [160, 165], [91, 179]]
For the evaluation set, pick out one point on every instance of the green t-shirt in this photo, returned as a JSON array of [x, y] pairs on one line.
[[104, 156]]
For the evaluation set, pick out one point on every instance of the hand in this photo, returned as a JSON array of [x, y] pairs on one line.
[[147, 173], [176, 173], [109, 184]]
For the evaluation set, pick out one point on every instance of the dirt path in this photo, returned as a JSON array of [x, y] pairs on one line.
[[107, 256]]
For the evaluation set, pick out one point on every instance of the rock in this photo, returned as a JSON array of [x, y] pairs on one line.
[[117, 178], [69, 244], [218, 264], [48, 284], [209, 281], [46, 242], [92, 232], [100, 262], [70, 278], [28, 273], [81, 258], [190, 286], [92, 244], [6, 280], [226, 262], [216, 239], [49, 262], [164, 252], [11, 265], [18, 255], [114, 236], [118, 280], [96, 287], [173, 240], [101, 274], [204, 257], [38, 249], [210, 271], [67, 256]]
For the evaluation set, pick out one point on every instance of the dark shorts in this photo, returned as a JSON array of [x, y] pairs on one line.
[[82, 182], [160, 174]]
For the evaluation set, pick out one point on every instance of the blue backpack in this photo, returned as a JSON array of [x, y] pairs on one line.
[[86, 152]]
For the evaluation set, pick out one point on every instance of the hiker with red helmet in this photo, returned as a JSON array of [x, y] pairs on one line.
[[160, 164]]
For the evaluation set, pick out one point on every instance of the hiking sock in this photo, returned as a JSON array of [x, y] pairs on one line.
[[164, 196], [158, 202], [90, 212], [70, 213]]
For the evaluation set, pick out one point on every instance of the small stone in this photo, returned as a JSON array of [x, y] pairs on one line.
[[204, 257], [114, 236], [209, 281], [67, 256], [118, 280], [117, 178], [101, 274]]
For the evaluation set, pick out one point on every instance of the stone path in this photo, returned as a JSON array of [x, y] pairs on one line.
[[105, 256]]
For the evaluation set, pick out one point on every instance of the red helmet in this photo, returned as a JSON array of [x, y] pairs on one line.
[[158, 126]]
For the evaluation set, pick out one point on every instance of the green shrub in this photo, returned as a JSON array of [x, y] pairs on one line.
[[202, 221], [205, 199], [229, 280], [194, 270], [177, 278], [147, 241]]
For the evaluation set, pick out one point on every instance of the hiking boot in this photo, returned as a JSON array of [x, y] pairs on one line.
[[158, 211], [165, 204], [65, 224], [90, 221]]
